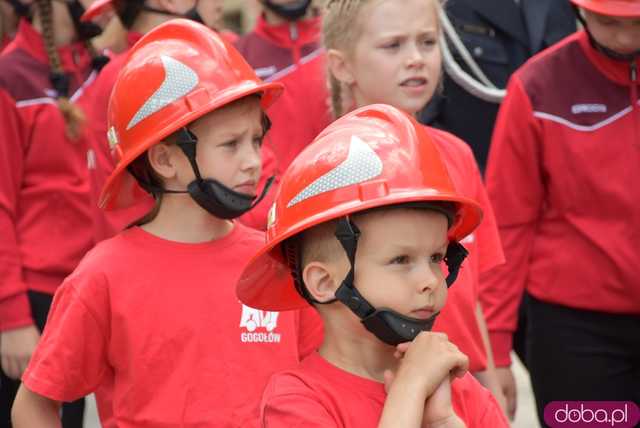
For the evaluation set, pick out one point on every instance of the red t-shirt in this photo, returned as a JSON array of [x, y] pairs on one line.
[[458, 317], [159, 321], [319, 394]]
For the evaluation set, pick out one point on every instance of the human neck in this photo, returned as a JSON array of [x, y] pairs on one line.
[[274, 19], [181, 219], [147, 21], [361, 102], [355, 351]]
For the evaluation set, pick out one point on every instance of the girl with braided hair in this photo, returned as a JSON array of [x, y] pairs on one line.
[[45, 220]]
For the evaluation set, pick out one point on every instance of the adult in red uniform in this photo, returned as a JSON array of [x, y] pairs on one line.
[[562, 178]]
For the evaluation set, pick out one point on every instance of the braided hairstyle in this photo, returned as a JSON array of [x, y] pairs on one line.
[[73, 116], [341, 29]]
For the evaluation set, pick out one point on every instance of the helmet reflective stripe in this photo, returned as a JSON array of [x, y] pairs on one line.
[[179, 80], [362, 164]]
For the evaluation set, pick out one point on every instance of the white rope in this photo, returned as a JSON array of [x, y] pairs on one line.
[[479, 86]]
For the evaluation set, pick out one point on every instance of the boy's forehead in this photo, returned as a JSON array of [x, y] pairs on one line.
[[389, 226], [247, 108]]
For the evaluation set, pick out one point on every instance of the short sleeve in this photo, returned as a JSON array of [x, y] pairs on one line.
[[70, 360], [288, 403]]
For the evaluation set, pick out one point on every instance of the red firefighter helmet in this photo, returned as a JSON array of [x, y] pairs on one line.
[[372, 157]]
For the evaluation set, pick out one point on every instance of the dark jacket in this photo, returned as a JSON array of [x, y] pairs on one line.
[[501, 35]]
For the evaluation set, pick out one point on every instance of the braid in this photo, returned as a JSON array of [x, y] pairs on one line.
[[73, 115], [340, 31]]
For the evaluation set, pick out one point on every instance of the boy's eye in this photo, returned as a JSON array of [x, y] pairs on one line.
[[400, 260], [257, 141], [430, 42], [230, 144], [437, 258]]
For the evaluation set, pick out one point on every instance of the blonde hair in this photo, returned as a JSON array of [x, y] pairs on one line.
[[340, 30]]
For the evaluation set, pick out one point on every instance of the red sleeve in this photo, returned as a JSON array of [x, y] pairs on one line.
[[14, 304], [71, 358], [257, 217], [489, 247], [475, 405], [311, 332], [516, 190], [287, 403]]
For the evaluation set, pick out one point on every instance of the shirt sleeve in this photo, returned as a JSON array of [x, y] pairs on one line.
[[71, 358], [516, 190], [286, 405], [14, 304], [490, 252]]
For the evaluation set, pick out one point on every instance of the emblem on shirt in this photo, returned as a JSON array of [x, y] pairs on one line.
[[258, 326]]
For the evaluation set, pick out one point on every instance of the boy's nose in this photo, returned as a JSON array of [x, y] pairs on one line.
[[429, 278]]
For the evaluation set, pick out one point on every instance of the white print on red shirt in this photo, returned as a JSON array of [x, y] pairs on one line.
[[254, 319]]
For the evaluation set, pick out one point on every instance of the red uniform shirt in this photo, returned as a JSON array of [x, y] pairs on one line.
[[563, 177], [45, 221], [458, 317], [159, 321], [319, 394]]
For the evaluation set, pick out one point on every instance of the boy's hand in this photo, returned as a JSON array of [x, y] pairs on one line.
[[428, 360], [16, 347]]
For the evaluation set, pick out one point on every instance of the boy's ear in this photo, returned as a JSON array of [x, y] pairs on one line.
[[319, 281], [162, 161], [339, 67]]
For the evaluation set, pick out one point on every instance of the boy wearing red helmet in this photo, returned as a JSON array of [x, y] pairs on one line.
[[363, 225], [561, 177], [152, 311]]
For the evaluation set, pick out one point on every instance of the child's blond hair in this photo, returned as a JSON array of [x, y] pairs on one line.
[[340, 30]]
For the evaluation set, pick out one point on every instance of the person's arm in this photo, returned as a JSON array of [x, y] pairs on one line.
[[31, 410], [18, 335], [488, 377], [515, 187]]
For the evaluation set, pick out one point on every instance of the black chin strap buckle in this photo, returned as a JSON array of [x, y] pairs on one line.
[[456, 254], [187, 141]]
